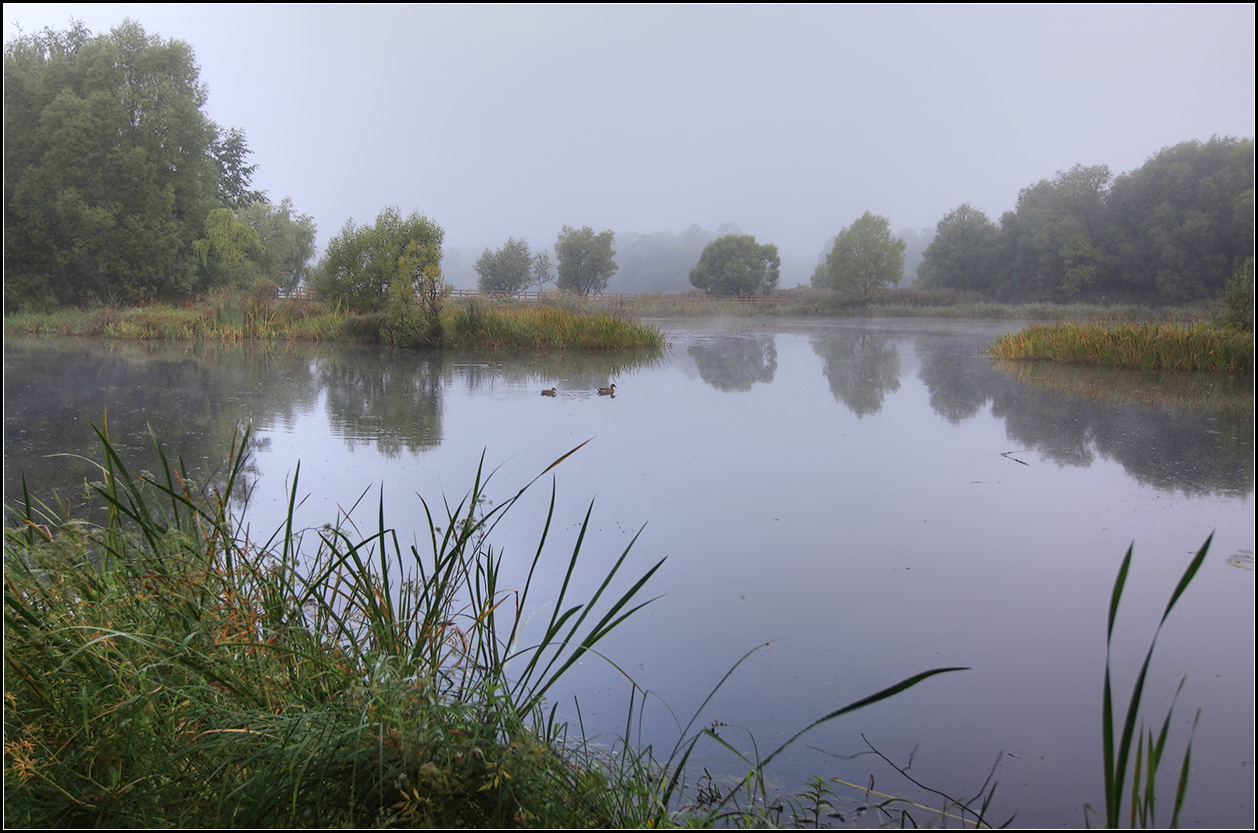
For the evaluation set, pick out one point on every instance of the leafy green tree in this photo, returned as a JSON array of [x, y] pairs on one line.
[[585, 260], [963, 253], [866, 259], [111, 168], [1184, 221], [288, 242], [1057, 239], [362, 263], [230, 151], [737, 265], [507, 269], [1237, 302], [543, 271], [230, 251]]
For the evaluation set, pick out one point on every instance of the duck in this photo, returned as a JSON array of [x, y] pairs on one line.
[[551, 392], [608, 391]]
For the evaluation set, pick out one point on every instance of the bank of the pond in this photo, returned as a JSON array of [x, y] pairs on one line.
[[161, 671], [460, 323], [548, 320], [1133, 345]]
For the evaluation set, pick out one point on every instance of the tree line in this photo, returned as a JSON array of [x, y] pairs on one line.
[[1175, 229], [119, 188]]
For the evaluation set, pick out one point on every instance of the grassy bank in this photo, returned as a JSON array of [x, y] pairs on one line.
[[558, 321], [161, 670], [898, 303], [1125, 344], [463, 323]]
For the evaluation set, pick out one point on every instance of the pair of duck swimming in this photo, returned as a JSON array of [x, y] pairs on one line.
[[601, 391]]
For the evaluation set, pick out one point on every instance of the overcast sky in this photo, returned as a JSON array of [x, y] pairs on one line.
[[790, 121]]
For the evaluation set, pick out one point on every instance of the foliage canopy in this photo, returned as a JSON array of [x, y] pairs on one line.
[[865, 259], [508, 269], [736, 265], [963, 253], [363, 264], [585, 260], [115, 179]]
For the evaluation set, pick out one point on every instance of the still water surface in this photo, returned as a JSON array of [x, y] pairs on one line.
[[871, 499]]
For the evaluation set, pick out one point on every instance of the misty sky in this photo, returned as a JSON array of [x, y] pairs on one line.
[[790, 121]]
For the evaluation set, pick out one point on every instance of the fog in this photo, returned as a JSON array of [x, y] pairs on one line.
[[789, 121]]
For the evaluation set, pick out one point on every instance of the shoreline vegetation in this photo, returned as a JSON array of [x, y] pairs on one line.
[[1188, 338], [1147, 346], [163, 669]]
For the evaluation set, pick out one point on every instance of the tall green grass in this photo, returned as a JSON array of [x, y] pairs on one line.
[[473, 323], [164, 670], [1126, 344], [1148, 748]]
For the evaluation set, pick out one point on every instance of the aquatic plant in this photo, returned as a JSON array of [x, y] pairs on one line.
[[1126, 344], [163, 670], [1148, 749]]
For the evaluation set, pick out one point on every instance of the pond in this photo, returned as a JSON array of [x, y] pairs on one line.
[[865, 499]]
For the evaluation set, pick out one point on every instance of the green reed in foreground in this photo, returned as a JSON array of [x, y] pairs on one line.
[[164, 670], [1147, 346], [1149, 750]]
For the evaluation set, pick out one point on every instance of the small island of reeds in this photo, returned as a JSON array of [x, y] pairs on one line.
[[1136, 345], [459, 323]]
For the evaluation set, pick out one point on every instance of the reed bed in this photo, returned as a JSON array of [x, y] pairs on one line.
[[1134, 345], [222, 318], [507, 326], [162, 670]]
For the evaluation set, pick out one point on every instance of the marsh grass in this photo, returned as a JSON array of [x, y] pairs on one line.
[[223, 317], [233, 318], [163, 671], [529, 326], [1126, 344], [1148, 747]]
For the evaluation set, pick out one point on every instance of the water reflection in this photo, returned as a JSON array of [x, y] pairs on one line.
[[392, 402], [862, 367], [1190, 433], [735, 363]]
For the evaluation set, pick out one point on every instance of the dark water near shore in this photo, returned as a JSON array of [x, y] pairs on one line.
[[871, 499]]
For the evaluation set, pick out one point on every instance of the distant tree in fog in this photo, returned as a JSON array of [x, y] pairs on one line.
[[585, 260], [658, 261], [736, 265], [865, 259], [964, 253], [543, 271], [915, 243], [1057, 238], [506, 270]]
